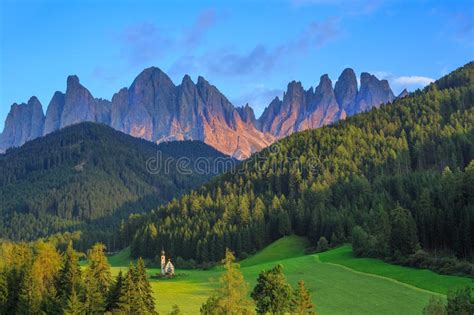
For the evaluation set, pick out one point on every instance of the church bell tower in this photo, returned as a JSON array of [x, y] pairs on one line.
[[163, 261]]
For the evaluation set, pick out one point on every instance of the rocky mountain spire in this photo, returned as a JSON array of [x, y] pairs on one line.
[[23, 123], [373, 92], [53, 113], [345, 91], [247, 114]]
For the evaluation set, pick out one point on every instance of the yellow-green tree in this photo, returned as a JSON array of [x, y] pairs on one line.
[[302, 303], [232, 295]]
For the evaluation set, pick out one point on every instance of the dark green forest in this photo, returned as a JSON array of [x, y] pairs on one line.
[[397, 181], [89, 177]]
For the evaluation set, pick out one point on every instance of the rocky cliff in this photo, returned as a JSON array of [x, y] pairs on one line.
[[23, 123], [301, 110], [155, 109]]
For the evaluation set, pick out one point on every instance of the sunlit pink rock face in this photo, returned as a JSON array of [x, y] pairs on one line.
[[155, 109], [300, 110]]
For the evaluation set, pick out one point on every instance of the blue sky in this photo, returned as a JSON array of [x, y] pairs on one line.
[[249, 49]]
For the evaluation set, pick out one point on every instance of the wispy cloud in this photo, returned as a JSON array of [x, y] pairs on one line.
[[205, 20], [398, 83], [229, 62], [260, 58], [413, 80], [319, 33], [143, 42]]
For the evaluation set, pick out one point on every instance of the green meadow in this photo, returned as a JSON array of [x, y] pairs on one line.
[[339, 282]]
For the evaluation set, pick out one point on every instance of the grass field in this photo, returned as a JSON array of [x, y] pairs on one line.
[[339, 283], [421, 278]]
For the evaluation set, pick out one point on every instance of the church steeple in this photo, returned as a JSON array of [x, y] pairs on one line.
[[163, 261]]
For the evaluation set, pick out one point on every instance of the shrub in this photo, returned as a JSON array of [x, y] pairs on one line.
[[322, 244]]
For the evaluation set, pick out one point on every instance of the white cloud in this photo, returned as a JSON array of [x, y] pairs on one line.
[[413, 80]]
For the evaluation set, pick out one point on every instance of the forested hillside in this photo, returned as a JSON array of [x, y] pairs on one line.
[[89, 177], [392, 180]]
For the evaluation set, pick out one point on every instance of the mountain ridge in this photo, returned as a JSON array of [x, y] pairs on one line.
[[89, 174], [156, 109]]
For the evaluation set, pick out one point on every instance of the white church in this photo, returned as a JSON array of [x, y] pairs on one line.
[[167, 268]]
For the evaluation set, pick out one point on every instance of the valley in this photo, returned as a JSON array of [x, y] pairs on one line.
[[338, 282], [296, 157]]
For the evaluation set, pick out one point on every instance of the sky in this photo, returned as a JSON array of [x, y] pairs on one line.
[[249, 49]]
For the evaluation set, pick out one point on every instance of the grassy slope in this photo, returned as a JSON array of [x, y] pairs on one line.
[[335, 288], [421, 278]]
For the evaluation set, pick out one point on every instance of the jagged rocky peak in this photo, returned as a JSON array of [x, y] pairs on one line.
[[246, 114], [53, 113], [403, 94], [293, 90], [187, 81], [345, 91], [23, 123], [155, 76], [154, 108], [265, 120], [80, 105], [373, 92], [72, 81], [324, 94]]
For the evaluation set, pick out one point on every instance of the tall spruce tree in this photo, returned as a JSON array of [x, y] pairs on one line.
[[113, 296], [74, 305], [69, 278], [3, 292], [29, 298], [128, 294], [145, 302], [97, 279]]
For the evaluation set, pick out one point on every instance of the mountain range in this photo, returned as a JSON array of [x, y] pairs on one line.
[[155, 109]]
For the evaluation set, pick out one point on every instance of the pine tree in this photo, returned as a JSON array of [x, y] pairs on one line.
[[128, 294], [51, 303], [74, 305], [233, 289], [145, 302], [99, 268], [97, 279], [113, 296], [404, 239], [29, 297], [69, 278], [272, 294], [94, 301], [3, 293], [302, 303]]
